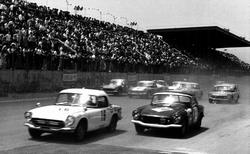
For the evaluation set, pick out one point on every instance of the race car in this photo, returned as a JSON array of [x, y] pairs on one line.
[[145, 88], [75, 111], [116, 86], [161, 84], [169, 110], [225, 92], [187, 87]]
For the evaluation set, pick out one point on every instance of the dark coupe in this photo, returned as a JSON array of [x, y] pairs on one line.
[[116, 87], [169, 110]]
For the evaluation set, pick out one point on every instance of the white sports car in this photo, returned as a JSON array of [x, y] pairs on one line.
[[76, 111]]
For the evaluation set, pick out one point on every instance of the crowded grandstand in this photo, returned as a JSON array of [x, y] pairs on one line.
[[41, 38]]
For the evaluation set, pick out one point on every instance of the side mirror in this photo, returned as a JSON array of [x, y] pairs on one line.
[[38, 104]]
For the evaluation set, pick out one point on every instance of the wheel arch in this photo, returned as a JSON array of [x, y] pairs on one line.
[[83, 120]]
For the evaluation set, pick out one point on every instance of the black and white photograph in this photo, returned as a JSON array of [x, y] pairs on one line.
[[124, 77]]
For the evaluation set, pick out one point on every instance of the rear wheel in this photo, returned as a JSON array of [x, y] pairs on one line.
[[80, 131], [35, 133], [139, 129], [113, 124]]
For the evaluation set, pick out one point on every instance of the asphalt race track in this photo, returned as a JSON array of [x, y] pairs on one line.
[[225, 129]]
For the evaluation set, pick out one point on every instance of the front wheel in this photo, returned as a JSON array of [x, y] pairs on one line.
[[237, 99], [139, 129], [198, 123], [183, 130], [80, 131], [35, 133], [113, 124], [148, 95]]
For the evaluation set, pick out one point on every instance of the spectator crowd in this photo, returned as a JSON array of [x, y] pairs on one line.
[[41, 38]]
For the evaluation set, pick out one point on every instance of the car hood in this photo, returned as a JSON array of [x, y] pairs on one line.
[[220, 93], [55, 112], [110, 86], [138, 88], [165, 111]]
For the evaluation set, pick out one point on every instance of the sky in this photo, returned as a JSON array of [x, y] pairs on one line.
[[231, 14]]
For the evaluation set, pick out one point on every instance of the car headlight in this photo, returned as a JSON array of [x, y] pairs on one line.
[[136, 115], [177, 118], [27, 115], [70, 120]]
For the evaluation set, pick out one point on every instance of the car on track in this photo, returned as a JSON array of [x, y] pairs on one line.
[[146, 88], [225, 92], [187, 87], [169, 110], [116, 87], [75, 111], [161, 84]]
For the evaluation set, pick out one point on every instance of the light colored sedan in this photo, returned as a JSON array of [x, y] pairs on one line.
[[187, 87], [225, 92]]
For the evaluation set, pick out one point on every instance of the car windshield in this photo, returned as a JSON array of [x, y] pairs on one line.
[[115, 82], [73, 99], [161, 83], [178, 85], [169, 99], [144, 84], [186, 85], [224, 88]]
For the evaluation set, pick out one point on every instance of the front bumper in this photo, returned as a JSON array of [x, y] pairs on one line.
[[49, 129], [156, 125], [137, 93], [109, 91], [215, 100]]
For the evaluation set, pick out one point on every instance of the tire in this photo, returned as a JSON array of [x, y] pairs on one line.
[[184, 129], [237, 100], [113, 124], [80, 131], [35, 133], [139, 129], [148, 95], [198, 123]]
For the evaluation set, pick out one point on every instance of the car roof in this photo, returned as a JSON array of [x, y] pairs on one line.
[[175, 93], [84, 91], [185, 82]]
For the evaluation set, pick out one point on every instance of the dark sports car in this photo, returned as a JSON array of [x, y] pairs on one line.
[[169, 110], [116, 87]]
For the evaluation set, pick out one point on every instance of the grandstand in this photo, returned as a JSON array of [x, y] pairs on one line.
[[40, 38], [202, 42]]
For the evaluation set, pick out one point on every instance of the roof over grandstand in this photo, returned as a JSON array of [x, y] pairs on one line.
[[201, 37]]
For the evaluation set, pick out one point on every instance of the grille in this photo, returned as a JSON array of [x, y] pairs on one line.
[[155, 120], [46, 123], [108, 89]]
